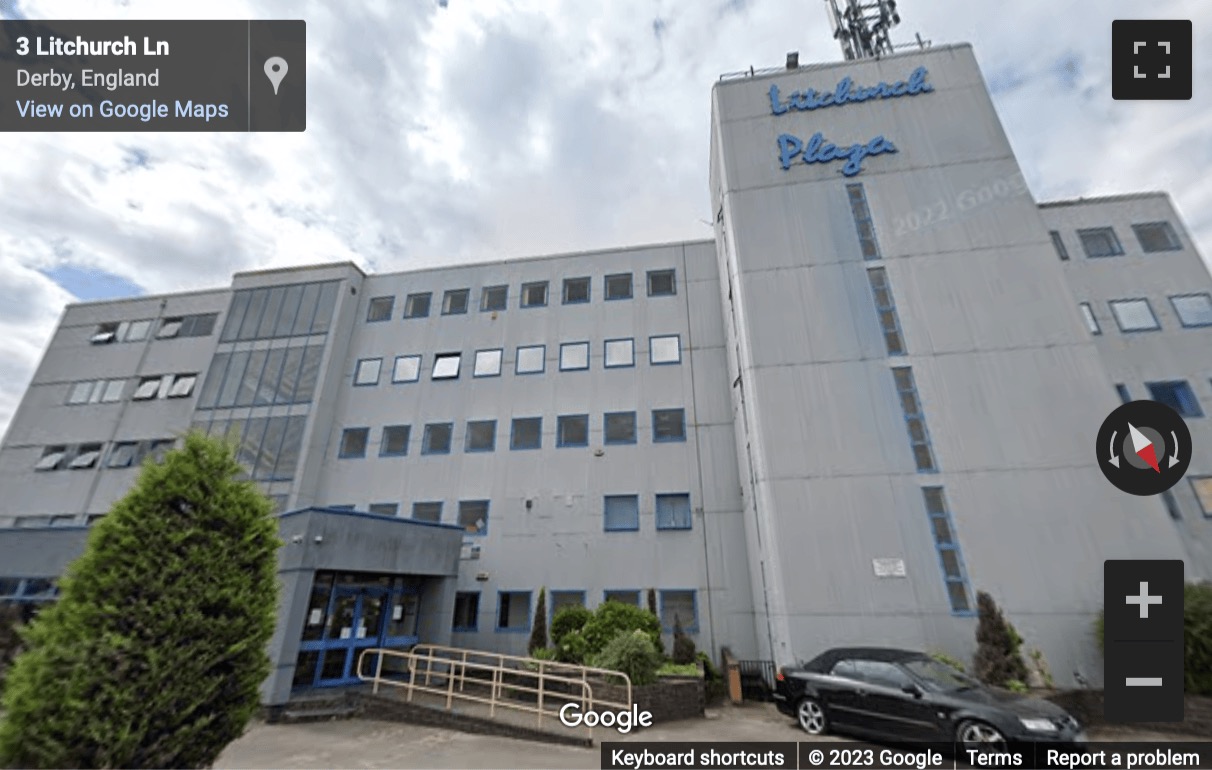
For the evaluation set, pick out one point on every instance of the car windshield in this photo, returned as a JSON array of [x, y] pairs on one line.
[[939, 677]]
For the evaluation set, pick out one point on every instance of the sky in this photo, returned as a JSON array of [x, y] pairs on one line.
[[451, 131]]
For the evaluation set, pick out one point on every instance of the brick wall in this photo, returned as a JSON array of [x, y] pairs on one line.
[[1087, 707], [670, 699]]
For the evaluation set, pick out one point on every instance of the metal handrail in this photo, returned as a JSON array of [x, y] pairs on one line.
[[457, 671]]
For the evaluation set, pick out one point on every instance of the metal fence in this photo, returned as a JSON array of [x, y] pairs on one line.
[[757, 679]]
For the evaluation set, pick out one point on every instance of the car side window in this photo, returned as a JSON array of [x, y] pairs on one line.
[[884, 674], [845, 669]]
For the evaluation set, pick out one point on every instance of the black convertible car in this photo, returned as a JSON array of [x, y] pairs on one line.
[[902, 695]]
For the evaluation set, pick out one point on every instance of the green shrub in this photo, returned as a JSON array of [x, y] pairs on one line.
[[713, 681], [543, 653], [998, 659], [678, 669], [683, 645], [632, 653], [154, 654], [572, 648], [10, 636], [1015, 685], [1041, 668], [538, 629], [947, 660], [1100, 630], [613, 618], [572, 617]]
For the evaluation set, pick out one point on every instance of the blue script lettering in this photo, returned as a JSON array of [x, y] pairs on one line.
[[846, 93], [820, 151]]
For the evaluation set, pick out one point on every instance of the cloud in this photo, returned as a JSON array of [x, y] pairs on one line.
[[447, 132]]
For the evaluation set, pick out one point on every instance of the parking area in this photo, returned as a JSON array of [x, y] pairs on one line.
[[366, 743]]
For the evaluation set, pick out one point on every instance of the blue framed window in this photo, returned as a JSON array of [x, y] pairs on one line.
[[380, 309], [342, 507], [861, 213], [576, 291], [488, 363], [513, 612], [915, 420], [1193, 310], [955, 576], [534, 294], [353, 443], [1059, 244], [427, 510], [526, 433], [1134, 315], [622, 595], [574, 356], [619, 353], [1100, 242], [665, 349], [532, 359], [1156, 236], [406, 369], [481, 436], [473, 516], [395, 440], [662, 283], [673, 511], [367, 371], [572, 430], [618, 286], [417, 305], [1176, 394], [558, 600], [18, 589], [467, 611], [455, 301], [1122, 391], [619, 428], [885, 308], [680, 604], [621, 513], [668, 425], [494, 299], [384, 509], [436, 439]]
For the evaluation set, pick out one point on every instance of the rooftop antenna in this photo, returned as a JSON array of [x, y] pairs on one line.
[[863, 28]]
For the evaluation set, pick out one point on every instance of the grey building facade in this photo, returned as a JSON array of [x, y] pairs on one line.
[[872, 394]]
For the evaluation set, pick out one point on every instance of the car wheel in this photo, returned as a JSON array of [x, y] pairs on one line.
[[979, 736], [811, 717]]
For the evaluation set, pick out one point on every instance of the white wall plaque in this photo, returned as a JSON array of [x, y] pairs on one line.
[[889, 568]]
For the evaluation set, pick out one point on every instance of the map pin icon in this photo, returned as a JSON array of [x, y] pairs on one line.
[[275, 70]]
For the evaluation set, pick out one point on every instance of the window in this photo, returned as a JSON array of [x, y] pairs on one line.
[[572, 430], [86, 456], [473, 516], [113, 391], [574, 356], [455, 301], [954, 577], [1059, 245], [618, 286], [915, 420], [679, 606], [353, 443], [1100, 242], [622, 597], [494, 298], [200, 325], [673, 511], [384, 509], [122, 454], [105, 334], [1202, 486], [137, 331], [488, 363], [417, 305], [81, 392], [380, 309], [395, 440], [95, 391], [481, 436], [1177, 395], [668, 425], [621, 513], [882, 674], [427, 511], [1122, 391], [576, 290], [861, 214], [619, 428], [513, 611], [665, 350], [466, 611], [662, 283], [534, 294], [367, 371], [343, 507], [1091, 321], [531, 359], [436, 439], [169, 328], [620, 353], [280, 311], [148, 388], [526, 433], [1193, 309], [562, 599], [1134, 315], [1156, 236], [157, 449], [406, 369], [890, 323], [446, 366]]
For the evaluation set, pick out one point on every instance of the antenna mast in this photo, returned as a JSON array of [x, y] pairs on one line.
[[862, 27]]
